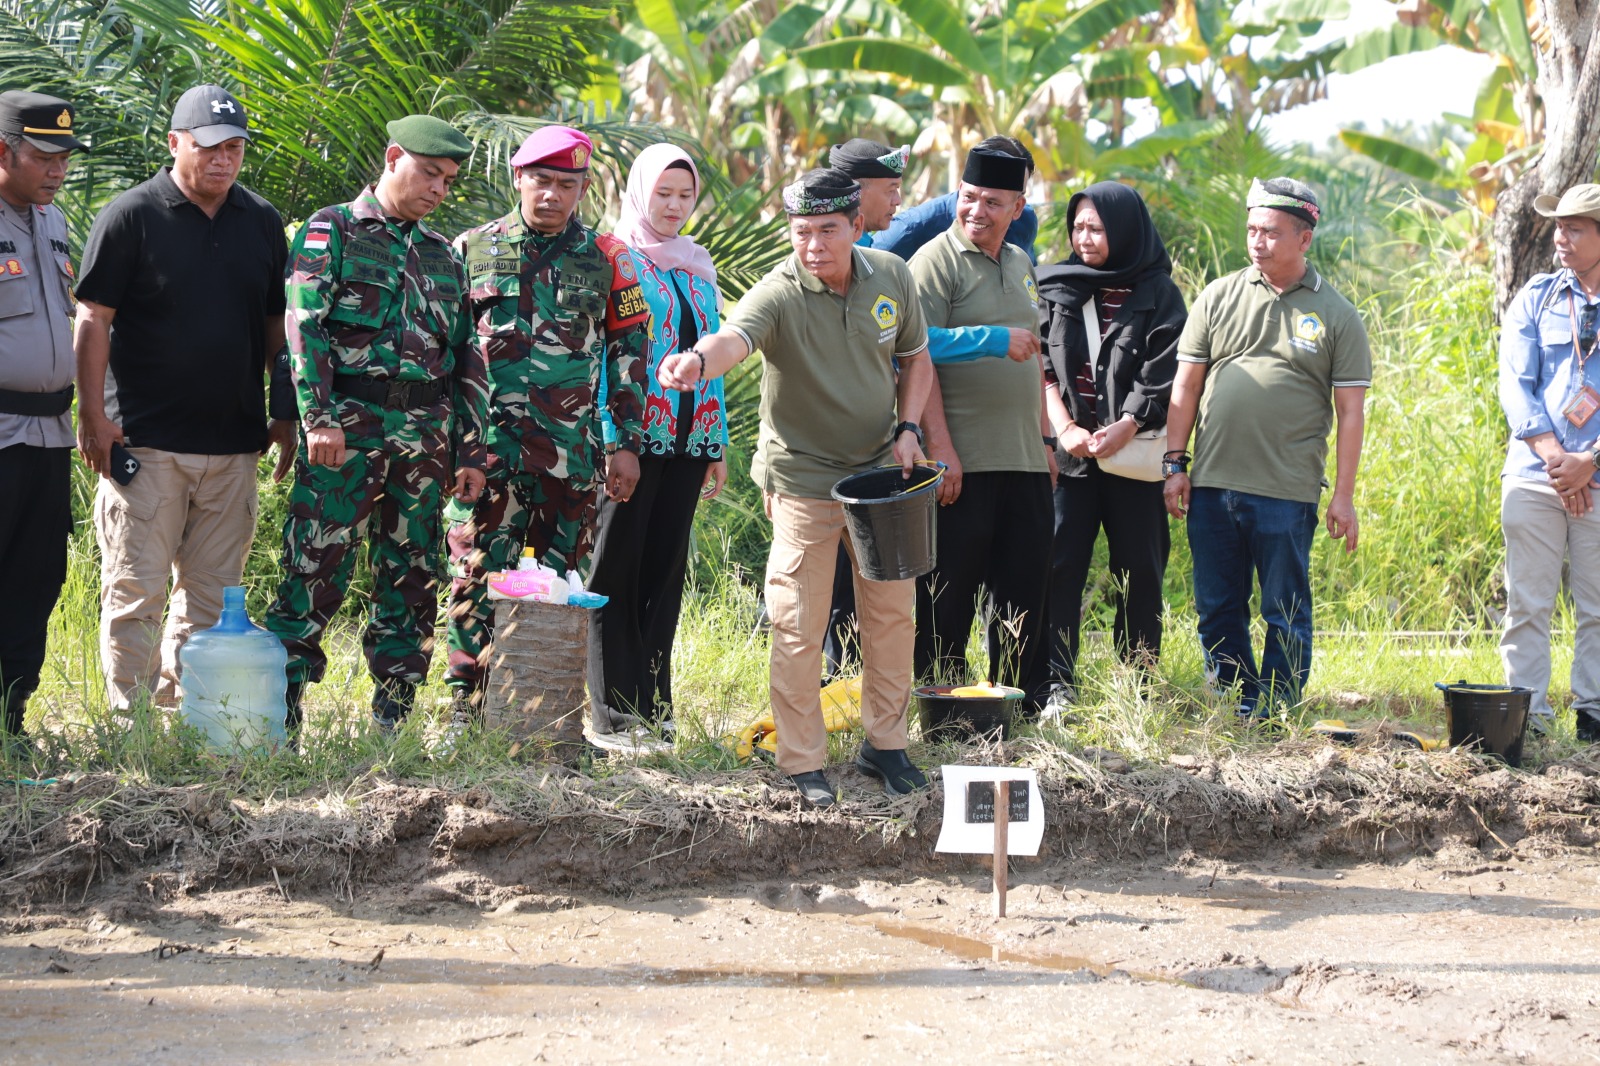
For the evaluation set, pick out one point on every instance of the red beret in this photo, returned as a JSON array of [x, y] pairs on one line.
[[557, 148]]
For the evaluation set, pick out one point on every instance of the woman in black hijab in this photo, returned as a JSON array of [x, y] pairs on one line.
[[1099, 396]]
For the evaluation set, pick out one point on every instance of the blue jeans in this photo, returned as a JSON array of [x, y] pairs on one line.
[[1232, 534]]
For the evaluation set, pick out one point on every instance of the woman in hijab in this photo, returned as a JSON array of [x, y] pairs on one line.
[[1101, 390], [642, 544]]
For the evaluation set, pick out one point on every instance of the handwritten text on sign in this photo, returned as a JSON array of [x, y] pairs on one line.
[[968, 826]]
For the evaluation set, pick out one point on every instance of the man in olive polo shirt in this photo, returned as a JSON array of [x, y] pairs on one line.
[[985, 419], [832, 323], [1270, 356]]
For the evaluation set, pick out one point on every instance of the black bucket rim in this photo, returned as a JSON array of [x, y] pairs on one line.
[[1002, 692], [931, 485], [1484, 689]]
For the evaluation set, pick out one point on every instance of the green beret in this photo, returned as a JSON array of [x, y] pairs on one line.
[[426, 135]]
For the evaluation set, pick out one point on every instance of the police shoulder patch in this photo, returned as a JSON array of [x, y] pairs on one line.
[[886, 310]]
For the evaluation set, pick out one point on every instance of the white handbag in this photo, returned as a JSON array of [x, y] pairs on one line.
[[1140, 458]]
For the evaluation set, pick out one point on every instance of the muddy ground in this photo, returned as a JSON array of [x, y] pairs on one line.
[[1304, 907]]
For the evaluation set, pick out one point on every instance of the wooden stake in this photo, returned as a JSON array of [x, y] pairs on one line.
[[1002, 826]]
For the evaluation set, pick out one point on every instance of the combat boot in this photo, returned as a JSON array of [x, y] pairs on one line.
[[392, 699]]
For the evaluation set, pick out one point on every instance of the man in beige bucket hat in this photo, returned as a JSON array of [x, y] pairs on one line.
[[1550, 390]]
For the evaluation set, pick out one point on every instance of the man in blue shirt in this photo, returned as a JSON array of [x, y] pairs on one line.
[[1550, 390], [912, 229]]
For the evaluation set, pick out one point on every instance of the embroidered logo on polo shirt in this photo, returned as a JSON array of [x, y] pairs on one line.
[[886, 311], [1308, 329], [1032, 290]]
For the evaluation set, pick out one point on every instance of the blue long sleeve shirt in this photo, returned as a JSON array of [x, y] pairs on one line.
[[912, 229], [1540, 372]]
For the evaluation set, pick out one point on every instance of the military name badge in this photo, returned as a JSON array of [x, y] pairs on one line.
[[887, 314], [1308, 330]]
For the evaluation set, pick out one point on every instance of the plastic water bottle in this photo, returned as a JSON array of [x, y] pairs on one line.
[[234, 681], [529, 560]]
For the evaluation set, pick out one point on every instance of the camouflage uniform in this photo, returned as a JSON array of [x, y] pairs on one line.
[[384, 299], [546, 337]]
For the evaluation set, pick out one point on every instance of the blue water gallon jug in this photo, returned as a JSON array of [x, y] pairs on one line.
[[233, 681]]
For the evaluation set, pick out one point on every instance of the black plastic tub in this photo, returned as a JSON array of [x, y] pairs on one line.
[[892, 520], [947, 717], [1493, 718]]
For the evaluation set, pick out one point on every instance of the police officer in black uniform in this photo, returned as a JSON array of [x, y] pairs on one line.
[[36, 437]]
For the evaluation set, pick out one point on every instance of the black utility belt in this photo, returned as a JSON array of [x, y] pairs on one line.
[[391, 394], [36, 404]]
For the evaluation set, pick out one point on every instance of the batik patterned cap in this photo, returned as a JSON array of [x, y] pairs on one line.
[[824, 191], [1285, 194]]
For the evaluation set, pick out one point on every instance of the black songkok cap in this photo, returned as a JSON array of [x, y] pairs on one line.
[[861, 158], [991, 169]]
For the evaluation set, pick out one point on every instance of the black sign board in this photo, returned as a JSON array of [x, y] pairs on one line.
[[980, 802]]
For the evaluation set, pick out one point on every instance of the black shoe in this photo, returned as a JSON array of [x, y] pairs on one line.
[[814, 789], [391, 702], [1588, 726], [900, 777], [293, 715]]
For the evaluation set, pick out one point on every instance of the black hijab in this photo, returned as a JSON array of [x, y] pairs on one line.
[[1135, 248]]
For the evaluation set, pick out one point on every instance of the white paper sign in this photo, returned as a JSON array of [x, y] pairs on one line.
[[969, 813]]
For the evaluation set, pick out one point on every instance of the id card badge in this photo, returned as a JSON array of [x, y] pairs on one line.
[[1582, 407]]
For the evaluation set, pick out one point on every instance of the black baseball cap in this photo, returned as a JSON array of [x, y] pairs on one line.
[[43, 121], [211, 114]]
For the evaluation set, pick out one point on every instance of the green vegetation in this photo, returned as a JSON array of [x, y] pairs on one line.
[[759, 91]]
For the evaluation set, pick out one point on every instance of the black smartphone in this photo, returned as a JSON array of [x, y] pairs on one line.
[[123, 464]]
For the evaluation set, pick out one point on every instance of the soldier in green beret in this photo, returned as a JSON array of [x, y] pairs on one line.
[[390, 395]]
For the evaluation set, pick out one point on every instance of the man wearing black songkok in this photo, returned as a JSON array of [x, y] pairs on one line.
[[878, 169], [985, 421]]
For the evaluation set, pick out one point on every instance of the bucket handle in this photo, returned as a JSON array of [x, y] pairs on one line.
[[939, 469], [1444, 686]]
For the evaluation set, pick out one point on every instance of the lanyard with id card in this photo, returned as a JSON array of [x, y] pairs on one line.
[[1585, 402]]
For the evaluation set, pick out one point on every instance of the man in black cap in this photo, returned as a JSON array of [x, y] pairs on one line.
[[878, 169], [833, 322], [36, 139], [911, 229], [986, 420], [180, 305], [390, 394], [1270, 355]]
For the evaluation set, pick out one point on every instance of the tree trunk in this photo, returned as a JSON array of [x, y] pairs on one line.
[[536, 676], [1568, 81]]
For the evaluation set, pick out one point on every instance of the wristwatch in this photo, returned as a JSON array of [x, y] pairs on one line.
[[1052, 442], [912, 427], [1174, 465]]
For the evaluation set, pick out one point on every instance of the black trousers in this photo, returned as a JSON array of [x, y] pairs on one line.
[[1137, 536], [35, 523], [995, 537], [841, 643], [641, 556]]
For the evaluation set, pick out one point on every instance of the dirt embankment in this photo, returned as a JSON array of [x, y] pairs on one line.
[[534, 829]]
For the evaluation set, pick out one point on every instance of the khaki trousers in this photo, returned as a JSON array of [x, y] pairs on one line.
[[805, 547], [184, 519], [1540, 537]]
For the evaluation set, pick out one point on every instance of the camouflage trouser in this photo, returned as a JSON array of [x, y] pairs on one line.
[[552, 515], [392, 501]]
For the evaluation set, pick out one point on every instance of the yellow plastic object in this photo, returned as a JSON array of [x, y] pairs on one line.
[[983, 689], [841, 710], [1336, 730]]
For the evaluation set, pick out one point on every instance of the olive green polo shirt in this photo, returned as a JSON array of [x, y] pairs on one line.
[[991, 406], [828, 385], [1274, 360]]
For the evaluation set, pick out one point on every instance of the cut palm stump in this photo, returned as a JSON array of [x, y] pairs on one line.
[[536, 677]]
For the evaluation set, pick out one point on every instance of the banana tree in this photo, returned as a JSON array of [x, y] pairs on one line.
[[1533, 118]]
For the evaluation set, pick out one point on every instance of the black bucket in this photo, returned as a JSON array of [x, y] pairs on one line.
[[1492, 717], [892, 520], [948, 717]]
